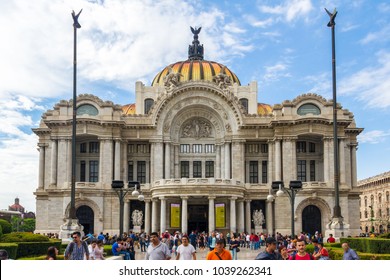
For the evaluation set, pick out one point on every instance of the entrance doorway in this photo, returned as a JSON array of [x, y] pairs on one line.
[[311, 219], [86, 216], [198, 218]]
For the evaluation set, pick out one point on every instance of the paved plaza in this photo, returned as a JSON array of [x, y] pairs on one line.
[[244, 254]]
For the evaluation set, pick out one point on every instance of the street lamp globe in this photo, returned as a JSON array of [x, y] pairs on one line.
[[135, 193], [141, 197], [279, 193], [270, 198]]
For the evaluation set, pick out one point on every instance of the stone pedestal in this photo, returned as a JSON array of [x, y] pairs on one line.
[[258, 229], [338, 228], [137, 229], [70, 226]]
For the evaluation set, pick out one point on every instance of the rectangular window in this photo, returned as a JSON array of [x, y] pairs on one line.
[[82, 171], [141, 172], [197, 169], [197, 148], [252, 148], [130, 171], [131, 149], [185, 148], [312, 147], [264, 148], [301, 168], [210, 169], [185, 169], [312, 170], [209, 148], [253, 172], [94, 147], [93, 171], [83, 148], [264, 172], [142, 148], [301, 147]]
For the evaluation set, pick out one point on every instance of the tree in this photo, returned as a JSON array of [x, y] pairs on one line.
[[6, 226]]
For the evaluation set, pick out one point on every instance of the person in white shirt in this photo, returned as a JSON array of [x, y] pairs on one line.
[[185, 251]]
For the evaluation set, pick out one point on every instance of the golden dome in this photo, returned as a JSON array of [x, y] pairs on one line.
[[128, 109], [263, 109], [195, 70]]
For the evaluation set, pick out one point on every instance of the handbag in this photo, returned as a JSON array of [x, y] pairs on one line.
[[237, 249]]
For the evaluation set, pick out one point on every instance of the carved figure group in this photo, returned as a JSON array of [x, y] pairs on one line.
[[171, 80], [197, 129], [222, 80], [258, 217], [137, 217]]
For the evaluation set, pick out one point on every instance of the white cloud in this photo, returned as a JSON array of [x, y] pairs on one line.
[[321, 84], [371, 84], [289, 10], [379, 36], [277, 71], [373, 136]]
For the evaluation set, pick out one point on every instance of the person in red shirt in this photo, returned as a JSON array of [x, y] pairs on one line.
[[331, 239], [301, 253], [322, 253]]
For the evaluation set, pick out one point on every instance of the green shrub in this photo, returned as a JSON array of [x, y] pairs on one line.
[[385, 235], [368, 245], [1, 231], [11, 249], [6, 226], [36, 248], [23, 237]]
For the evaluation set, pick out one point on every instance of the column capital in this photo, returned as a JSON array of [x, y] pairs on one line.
[[233, 198], [212, 197], [248, 200], [184, 197], [162, 198]]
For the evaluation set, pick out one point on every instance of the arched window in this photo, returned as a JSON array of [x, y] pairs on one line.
[[365, 201], [244, 103], [148, 104], [380, 199], [87, 109], [387, 196], [309, 108]]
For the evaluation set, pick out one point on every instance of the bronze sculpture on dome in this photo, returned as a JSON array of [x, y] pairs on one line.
[[195, 51]]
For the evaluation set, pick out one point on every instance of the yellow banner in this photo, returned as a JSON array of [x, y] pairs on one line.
[[175, 215], [220, 215]]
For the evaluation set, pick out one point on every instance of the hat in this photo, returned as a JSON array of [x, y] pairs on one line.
[[270, 240]]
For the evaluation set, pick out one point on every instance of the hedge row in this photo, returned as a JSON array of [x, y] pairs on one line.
[[368, 245]]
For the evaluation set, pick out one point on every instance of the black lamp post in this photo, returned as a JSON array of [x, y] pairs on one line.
[[294, 187], [337, 208], [76, 25], [117, 186]]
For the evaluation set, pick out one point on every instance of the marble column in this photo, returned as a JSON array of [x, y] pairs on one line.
[[222, 148], [126, 216], [41, 181], [227, 161], [184, 214], [248, 217], [167, 161], [241, 216], [270, 175], [125, 163], [117, 165], [53, 163], [326, 159], [177, 166], [233, 225], [269, 217], [211, 213], [342, 161], [278, 160], [353, 165], [218, 161], [147, 216], [163, 214], [155, 226], [62, 165]]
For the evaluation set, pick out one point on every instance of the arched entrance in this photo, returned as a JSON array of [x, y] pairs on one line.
[[86, 216], [311, 219]]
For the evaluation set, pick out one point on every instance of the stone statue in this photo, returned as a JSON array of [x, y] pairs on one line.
[[258, 218], [197, 128], [222, 80], [171, 80], [137, 217]]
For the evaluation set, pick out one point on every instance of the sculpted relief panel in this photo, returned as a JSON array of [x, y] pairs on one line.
[[196, 128]]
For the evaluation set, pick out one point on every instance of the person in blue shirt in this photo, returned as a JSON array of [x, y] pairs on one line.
[[349, 254], [269, 252]]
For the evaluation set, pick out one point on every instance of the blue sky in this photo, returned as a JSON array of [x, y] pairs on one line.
[[284, 45]]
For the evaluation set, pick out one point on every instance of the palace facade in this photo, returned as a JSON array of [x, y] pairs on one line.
[[375, 203], [205, 153]]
